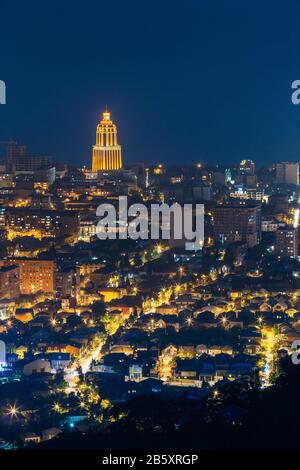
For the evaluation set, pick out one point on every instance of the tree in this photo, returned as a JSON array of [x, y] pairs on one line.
[[59, 381], [99, 310]]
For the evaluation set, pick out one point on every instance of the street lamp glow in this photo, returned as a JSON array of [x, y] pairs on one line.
[[56, 407], [159, 249], [12, 411]]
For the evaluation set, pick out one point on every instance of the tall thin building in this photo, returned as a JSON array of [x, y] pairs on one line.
[[106, 153], [287, 242], [9, 282]]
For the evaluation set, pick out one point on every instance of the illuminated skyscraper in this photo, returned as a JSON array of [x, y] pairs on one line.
[[247, 167], [106, 153]]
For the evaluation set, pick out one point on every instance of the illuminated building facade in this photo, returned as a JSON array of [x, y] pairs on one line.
[[36, 275], [39, 223], [106, 153], [287, 242]]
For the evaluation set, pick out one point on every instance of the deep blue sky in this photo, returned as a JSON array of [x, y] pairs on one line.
[[185, 81]]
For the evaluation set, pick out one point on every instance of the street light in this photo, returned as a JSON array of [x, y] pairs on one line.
[[12, 411], [159, 249], [56, 407]]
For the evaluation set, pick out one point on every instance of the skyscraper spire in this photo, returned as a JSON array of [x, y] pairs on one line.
[[106, 152]]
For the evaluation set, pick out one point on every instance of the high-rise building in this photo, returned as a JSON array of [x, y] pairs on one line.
[[19, 161], [247, 167], [287, 242], [228, 176], [65, 282], [36, 275], [186, 193], [279, 203], [233, 223], [287, 173], [106, 153]]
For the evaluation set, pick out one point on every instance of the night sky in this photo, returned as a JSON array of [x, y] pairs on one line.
[[186, 81]]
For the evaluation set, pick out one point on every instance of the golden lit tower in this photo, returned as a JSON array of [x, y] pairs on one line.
[[106, 152]]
